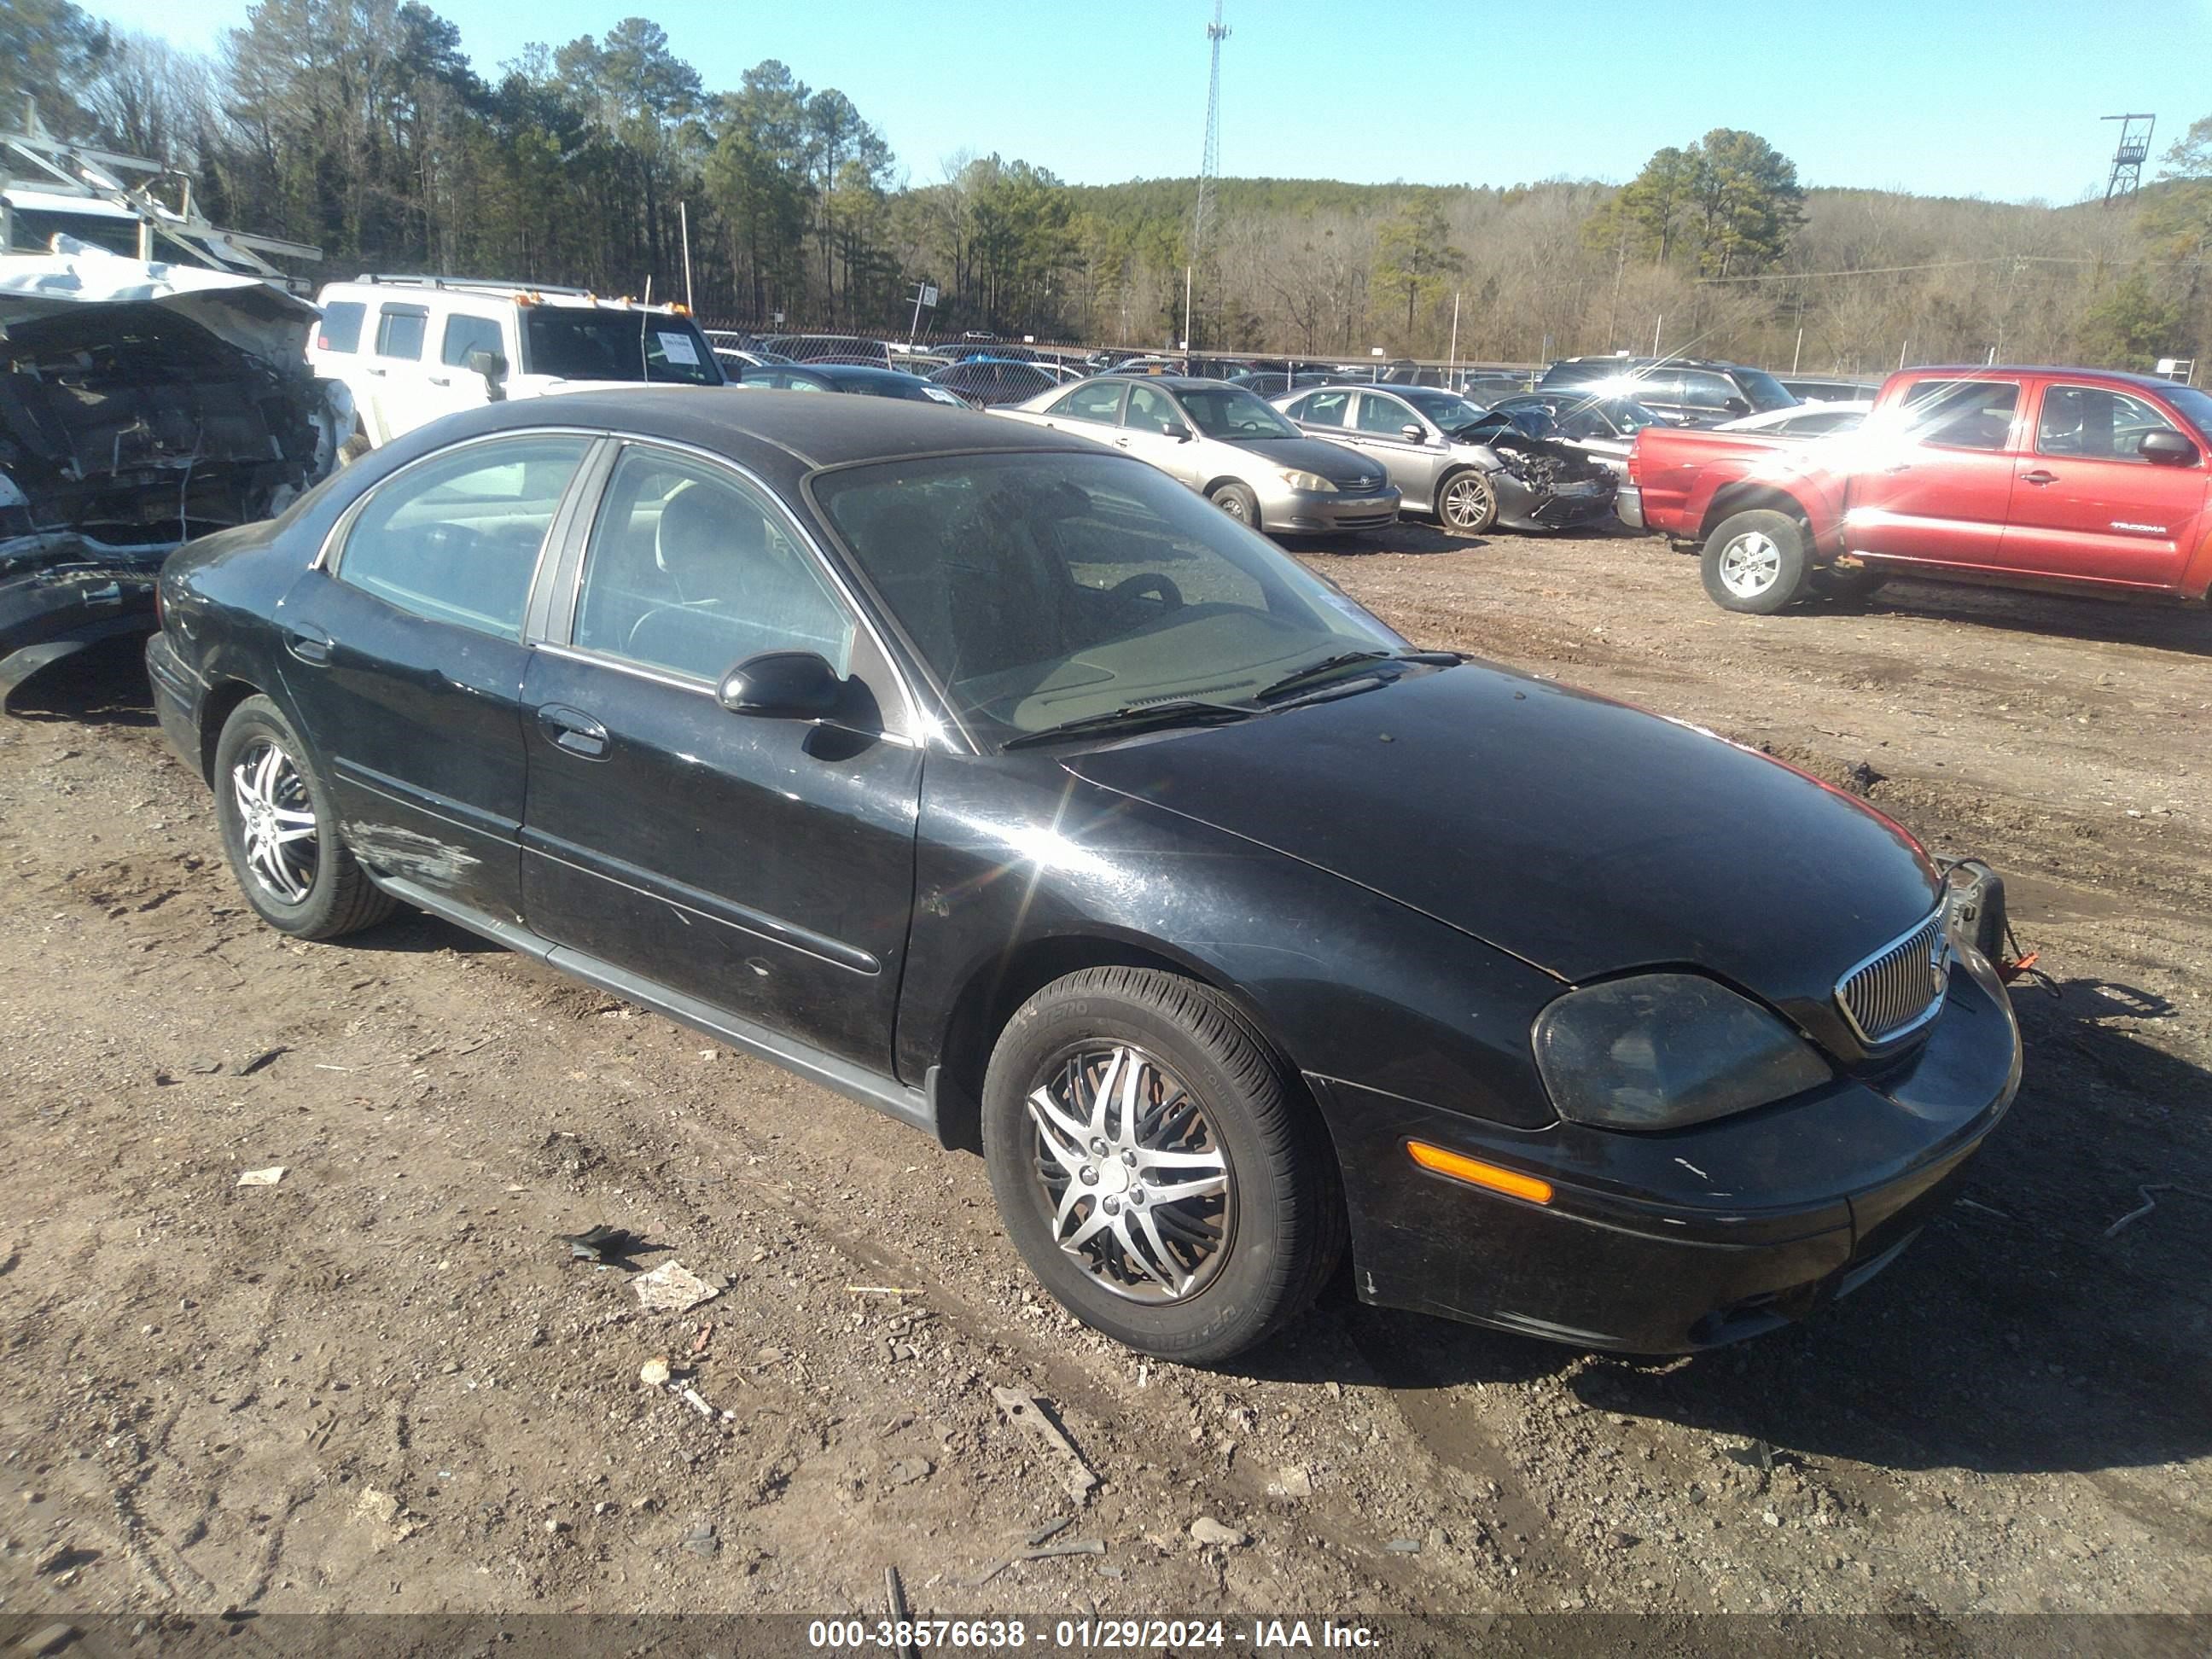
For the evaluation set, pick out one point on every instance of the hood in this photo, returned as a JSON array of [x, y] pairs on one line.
[[1582, 835], [243, 311], [143, 403], [1334, 462]]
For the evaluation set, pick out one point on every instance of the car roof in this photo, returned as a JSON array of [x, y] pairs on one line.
[[784, 433], [2061, 371]]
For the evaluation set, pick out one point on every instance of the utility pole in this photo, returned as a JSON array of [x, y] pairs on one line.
[[1209, 167], [683, 221]]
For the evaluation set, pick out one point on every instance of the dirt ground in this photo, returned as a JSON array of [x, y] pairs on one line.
[[381, 1384]]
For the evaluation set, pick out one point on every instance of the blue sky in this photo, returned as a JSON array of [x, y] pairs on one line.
[[1948, 97]]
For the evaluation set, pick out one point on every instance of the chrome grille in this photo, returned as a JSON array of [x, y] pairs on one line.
[[1369, 486], [1899, 987]]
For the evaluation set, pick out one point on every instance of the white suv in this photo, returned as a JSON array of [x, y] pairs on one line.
[[410, 349]]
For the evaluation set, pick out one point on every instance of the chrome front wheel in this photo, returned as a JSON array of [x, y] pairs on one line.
[[1134, 1178]]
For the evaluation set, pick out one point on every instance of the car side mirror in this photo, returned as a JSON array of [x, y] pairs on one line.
[[2167, 449], [492, 365], [1413, 434], [1735, 406], [786, 685], [1178, 431]]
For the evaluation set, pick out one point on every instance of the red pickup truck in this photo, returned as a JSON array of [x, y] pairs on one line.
[[2082, 480]]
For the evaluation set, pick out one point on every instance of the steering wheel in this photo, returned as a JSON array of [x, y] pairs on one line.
[[1148, 581]]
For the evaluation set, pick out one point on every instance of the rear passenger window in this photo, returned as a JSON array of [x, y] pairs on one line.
[[399, 331], [691, 571], [464, 334], [1323, 409], [455, 539], [1092, 403], [1961, 414], [340, 328]]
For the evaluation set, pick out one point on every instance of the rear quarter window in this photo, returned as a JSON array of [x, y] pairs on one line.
[[340, 328]]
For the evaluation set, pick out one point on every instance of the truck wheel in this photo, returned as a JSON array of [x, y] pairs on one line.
[[1755, 562]]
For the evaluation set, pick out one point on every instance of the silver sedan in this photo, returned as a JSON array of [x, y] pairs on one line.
[[1227, 445], [1470, 468]]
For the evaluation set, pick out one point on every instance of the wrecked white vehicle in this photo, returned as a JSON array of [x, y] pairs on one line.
[[141, 404]]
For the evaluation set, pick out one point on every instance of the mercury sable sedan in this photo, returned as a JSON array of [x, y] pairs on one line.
[[998, 781]]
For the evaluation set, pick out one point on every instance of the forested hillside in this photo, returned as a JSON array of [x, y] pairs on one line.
[[363, 126]]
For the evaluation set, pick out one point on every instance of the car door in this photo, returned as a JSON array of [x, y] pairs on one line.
[[1934, 482], [449, 385], [2087, 504], [1379, 428], [1146, 419], [1092, 409], [762, 867], [393, 371], [405, 661]]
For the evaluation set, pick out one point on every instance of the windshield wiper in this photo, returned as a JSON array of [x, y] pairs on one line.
[[1179, 711], [1328, 665]]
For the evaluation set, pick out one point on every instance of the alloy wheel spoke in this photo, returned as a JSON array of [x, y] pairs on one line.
[[1158, 1261], [1177, 1192]]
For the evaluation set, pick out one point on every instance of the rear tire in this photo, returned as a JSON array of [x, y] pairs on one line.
[[1237, 501], [1194, 1278], [280, 831], [1756, 562], [1466, 502]]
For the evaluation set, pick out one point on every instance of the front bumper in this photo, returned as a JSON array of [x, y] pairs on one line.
[[1666, 1243], [1628, 506], [1312, 513], [1523, 506]]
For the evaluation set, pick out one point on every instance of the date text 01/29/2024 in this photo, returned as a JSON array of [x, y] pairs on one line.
[[1080, 1635]]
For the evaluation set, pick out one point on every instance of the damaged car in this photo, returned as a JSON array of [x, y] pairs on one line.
[[142, 404], [1473, 468]]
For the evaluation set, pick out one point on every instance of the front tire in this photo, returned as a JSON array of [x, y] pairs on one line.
[[1756, 562], [1237, 501], [1153, 1167], [1466, 504], [280, 830]]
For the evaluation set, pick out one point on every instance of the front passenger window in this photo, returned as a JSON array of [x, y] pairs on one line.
[[691, 571], [455, 539], [1384, 416]]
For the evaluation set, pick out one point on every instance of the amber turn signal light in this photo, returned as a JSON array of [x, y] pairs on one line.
[[1478, 1174]]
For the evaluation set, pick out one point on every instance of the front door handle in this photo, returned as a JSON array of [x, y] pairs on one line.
[[440, 379], [573, 730], [2039, 477], [308, 643], [1901, 466]]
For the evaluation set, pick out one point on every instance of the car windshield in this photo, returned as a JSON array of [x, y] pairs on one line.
[[1232, 412], [2192, 405], [579, 342], [1047, 588], [1763, 391]]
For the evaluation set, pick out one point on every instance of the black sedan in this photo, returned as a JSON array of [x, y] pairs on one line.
[[996, 781]]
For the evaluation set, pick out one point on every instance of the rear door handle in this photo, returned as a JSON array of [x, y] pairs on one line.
[[2039, 477], [573, 731], [309, 644]]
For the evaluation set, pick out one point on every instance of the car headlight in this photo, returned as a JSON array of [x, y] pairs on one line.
[[1311, 481], [1661, 1051]]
